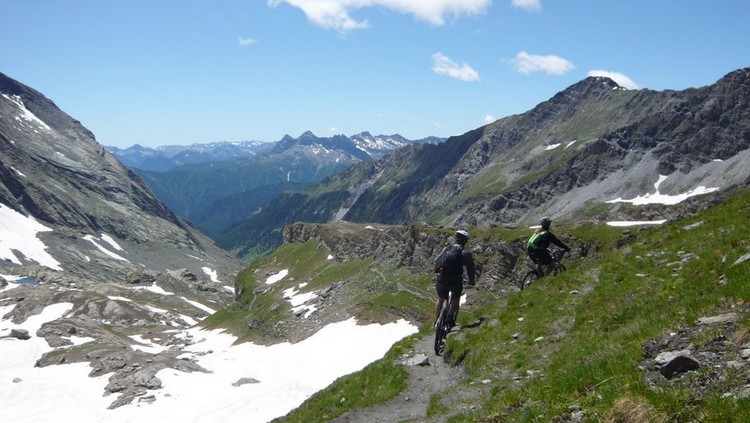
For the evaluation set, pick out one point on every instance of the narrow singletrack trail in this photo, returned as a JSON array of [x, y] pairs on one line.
[[425, 379]]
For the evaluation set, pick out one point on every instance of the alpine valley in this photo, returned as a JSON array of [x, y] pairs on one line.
[[219, 184], [331, 239]]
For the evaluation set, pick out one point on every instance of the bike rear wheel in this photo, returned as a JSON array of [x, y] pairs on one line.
[[442, 328], [439, 335], [528, 279]]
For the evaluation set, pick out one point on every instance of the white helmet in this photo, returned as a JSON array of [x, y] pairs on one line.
[[462, 233]]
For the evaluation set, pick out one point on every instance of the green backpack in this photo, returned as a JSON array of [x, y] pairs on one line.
[[534, 238]]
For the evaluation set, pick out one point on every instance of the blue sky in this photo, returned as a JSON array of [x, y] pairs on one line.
[[166, 72]]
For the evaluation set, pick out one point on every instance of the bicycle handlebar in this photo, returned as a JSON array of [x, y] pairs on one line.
[[558, 254]]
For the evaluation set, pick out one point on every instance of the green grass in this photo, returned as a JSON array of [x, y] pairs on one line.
[[592, 340], [571, 340], [375, 384], [373, 293]]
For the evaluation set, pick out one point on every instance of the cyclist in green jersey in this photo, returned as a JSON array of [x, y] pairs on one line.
[[539, 242]]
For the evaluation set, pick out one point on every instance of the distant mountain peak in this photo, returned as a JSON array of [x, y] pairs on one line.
[[594, 84], [364, 134]]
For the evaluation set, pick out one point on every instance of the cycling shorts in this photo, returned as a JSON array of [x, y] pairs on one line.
[[539, 255], [443, 287]]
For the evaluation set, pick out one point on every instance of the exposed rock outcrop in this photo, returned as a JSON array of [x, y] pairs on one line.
[[568, 157], [87, 233]]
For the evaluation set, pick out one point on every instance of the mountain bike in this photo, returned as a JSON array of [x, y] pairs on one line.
[[443, 326], [538, 272]]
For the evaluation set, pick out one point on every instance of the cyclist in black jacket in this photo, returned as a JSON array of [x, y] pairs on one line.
[[537, 246], [453, 283]]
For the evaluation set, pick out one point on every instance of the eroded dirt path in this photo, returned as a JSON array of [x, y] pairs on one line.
[[431, 376]]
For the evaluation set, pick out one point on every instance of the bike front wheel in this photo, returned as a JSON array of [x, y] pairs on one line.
[[559, 268], [528, 279], [440, 335]]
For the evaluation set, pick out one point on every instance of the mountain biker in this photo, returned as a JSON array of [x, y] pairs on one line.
[[537, 246], [453, 281]]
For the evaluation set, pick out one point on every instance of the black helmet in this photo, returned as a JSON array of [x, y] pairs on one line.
[[545, 222]]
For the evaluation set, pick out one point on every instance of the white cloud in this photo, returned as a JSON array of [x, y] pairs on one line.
[[526, 63], [442, 65], [244, 42], [528, 5], [489, 119], [621, 79], [334, 14]]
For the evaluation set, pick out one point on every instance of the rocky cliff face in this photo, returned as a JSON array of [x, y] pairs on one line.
[[77, 227], [52, 169], [411, 246], [593, 143], [571, 157]]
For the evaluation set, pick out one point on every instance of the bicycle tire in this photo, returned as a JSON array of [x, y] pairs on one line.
[[439, 338], [559, 268], [528, 279], [440, 332]]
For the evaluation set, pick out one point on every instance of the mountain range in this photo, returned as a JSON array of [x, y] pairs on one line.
[[218, 184], [364, 146], [586, 153], [139, 295]]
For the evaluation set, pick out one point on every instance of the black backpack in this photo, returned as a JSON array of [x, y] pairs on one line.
[[448, 263]]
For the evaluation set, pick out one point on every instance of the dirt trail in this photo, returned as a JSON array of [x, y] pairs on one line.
[[424, 380]]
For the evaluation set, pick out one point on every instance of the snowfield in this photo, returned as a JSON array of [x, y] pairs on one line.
[[282, 376]]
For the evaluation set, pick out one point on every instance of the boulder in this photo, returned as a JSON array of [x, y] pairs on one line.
[[22, 334], [673, 362]]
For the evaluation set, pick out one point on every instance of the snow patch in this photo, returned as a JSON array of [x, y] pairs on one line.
[[196, 304], [26, 114], [277, 277], [658, 198], [109, 240], [636, 223], [105, 250], [298, 301], [19, 233], [115, 298], [147, 345], [288, 375], [211, 274]]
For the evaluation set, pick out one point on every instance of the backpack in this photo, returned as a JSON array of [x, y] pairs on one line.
[[448, 263], [534, 238]]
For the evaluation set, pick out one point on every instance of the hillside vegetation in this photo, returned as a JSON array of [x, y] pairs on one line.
[[579, 346], [361, 288]]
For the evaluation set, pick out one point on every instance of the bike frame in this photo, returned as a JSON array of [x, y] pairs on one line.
[[537, 270], [443, 326]]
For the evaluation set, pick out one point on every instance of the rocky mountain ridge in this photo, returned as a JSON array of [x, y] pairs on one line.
[[79, 228], [167, 157], [585, 153], [363, 146], [216, 185]]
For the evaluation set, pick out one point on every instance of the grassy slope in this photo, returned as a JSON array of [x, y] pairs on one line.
[[580, 335], [367, 290]]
